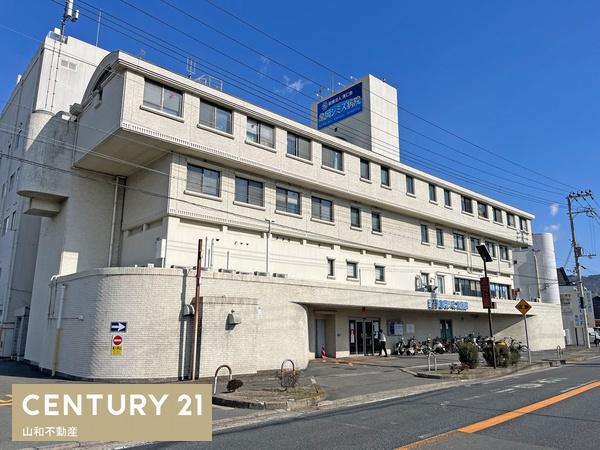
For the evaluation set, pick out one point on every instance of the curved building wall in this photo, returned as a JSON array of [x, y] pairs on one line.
[[543, 244]]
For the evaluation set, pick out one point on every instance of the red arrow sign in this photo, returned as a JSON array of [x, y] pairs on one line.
[[117, 340]]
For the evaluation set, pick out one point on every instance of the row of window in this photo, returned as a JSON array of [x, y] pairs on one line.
[[208, 181], [214, 116], [460, 242], [352, 270], [462, 286]]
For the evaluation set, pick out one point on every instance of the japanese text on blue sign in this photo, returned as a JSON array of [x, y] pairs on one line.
[[447, 304], [340, 106]]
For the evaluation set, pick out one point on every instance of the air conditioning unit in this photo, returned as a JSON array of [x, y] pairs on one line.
[[280, 275], [226, 270], [261, 274]]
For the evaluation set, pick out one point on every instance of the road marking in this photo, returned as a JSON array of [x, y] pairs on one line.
[[478, 426], [493, 421], [572, 387], [471, 398], [500, 391], [528, 385]]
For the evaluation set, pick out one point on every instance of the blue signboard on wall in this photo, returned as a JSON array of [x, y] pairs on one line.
[[340, 106]]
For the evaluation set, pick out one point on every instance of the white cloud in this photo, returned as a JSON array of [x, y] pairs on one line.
[[293, 86], [265, 63], [554, 209], [554, 229]]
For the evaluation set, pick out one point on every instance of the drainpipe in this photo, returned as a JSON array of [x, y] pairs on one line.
[[537, 275], [61, 300], [114, 219]]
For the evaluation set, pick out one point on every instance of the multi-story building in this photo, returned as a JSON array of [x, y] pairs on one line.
[[572, 313], [313, 239], [55, 78]]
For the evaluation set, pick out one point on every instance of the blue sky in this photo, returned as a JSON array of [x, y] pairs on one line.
[[519, 78]]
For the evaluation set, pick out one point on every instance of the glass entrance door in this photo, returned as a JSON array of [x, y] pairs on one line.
[[446, 329], [362, 335]]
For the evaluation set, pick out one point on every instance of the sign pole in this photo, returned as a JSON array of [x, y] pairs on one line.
[[197, 312], [489, 311], [527, 339]]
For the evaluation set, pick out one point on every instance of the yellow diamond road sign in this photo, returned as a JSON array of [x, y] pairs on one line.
[[523, 307]]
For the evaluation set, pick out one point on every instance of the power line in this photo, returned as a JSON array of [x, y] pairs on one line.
[[240, 19], [234, 59], [491, 187]]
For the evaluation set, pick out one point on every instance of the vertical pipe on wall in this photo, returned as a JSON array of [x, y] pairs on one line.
[[197, 308], [61, 300]]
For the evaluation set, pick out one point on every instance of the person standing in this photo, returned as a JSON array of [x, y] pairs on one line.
[[382, 340]]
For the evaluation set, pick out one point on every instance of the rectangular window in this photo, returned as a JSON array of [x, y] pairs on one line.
[[474, 243], [491, 248], [298, 146], [249, 191], [331, 267], [3, 190], [471, 288], [467, 204], [439, 235], [441, 284], [459, 241], [365, 169], [11, 182], [503, 252], [352, 270], [424, 234], [510, 220], [214, 116], [410, 185], [322, 209], [333, 158], [5, 225], [523, 224], [424, 281], [385, 176], [201, 179], [260, 133], [355, 216], [497, 215], [162, 98], [501, 291], [13, 221], [482, 210], [288, 201], [432, 193], [379, 273], [447, 198], [376, 221]]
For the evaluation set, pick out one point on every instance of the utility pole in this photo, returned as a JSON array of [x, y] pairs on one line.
[[197, 311], [578, 252]]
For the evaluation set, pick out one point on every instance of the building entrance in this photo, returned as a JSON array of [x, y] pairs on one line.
[[363, 334], [446, 329]]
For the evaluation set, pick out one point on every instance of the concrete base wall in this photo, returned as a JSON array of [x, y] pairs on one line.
[[277, 322]]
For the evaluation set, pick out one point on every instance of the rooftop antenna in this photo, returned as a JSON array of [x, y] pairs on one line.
[[190, 67], [70, 15], [98, 26]]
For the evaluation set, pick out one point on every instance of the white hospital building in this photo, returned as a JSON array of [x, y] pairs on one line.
[[113, 169]]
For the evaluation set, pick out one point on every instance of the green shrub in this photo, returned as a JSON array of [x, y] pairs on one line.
[[505, 356], [468, 354]]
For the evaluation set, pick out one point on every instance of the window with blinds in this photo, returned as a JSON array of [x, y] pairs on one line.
[[203, 180], [288, 201], [214, 116], [162, 98], [333, 158], [260, 133], [249, 191], [298, 146], [322, 209]]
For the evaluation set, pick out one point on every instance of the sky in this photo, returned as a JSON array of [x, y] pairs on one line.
[[516, 83]]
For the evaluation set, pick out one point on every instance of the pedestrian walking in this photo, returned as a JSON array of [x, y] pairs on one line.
[[382, 340]]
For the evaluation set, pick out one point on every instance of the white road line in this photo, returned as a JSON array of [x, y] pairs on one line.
[[573, 387], [504, 390], [472, 398]]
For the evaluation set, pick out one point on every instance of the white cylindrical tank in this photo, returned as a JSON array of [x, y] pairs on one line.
[[545, 259]]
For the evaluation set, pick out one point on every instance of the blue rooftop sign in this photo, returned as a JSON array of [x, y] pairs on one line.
[[342, 105]]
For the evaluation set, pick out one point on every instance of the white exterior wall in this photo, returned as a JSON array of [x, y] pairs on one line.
[[535, 270], [276, 322], [570, 307]]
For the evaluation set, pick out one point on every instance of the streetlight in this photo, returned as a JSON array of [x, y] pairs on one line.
[[485, 292], [269, 221]]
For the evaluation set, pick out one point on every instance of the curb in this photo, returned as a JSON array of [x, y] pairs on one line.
[[497, 373]]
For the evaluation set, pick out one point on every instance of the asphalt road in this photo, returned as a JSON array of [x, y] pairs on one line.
[[573, 422]]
